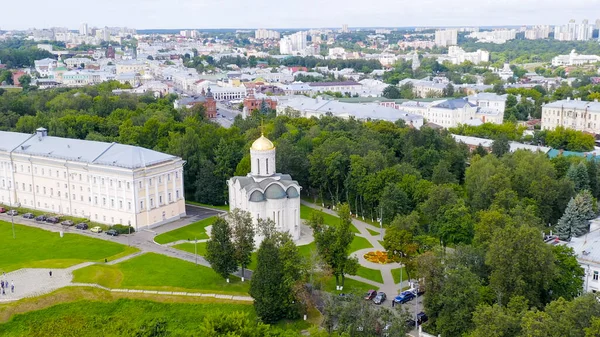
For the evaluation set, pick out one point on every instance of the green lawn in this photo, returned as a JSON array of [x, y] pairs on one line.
[[370, 274], [196, 230], [221, 208], [122, 317], [189, 247], [350, 286], [158, 272], [359, 243], [396, 275], [38, 248], [372, 232], [329, 219]]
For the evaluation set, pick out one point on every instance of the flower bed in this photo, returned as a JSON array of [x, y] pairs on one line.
[[377, 257]]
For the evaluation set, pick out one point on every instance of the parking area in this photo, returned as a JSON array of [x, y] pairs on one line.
[[200, 212]]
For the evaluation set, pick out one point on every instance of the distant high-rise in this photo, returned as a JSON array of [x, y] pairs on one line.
[[345, 29], [573, 31], [293, 44], [263, 34], [83, 30], [445, 38]]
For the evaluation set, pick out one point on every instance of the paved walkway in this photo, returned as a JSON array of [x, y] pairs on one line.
[[388, 286]]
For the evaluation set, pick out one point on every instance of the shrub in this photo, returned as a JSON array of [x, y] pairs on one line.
[[122, 229]]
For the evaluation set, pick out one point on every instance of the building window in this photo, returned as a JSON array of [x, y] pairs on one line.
[[150, 182], [51, 191], [102, 181], [37, 188], [169, 197], [110, 182], [267, 166], [160, 199], [258, 165], [21, 168], [103, 201], [81, 197], [94, 180], [120, 204], [176, 174], [23, 184], [129, 206], [177, 194], [140, 184], [57, 174], [142, 204], [44, 190], [80, 177], [159, 179], [151, 202], [128, 185], [595, 275], [169, 177], [119, 184], [112, 203], [96, 200], [65, 174], [42, 171], [58, 193], [74, 196]]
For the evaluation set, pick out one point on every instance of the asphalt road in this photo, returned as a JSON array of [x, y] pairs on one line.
[[225, 115]]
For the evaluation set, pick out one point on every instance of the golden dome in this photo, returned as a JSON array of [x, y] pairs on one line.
[[262, 144]]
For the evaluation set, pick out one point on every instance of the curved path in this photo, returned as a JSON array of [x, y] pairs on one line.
[[388, 286]]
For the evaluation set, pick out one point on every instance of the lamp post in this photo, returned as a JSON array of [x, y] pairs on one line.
[[416, 286]]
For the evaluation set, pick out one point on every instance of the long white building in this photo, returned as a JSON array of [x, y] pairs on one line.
[[574, 59], [109, 183], [575, 114]]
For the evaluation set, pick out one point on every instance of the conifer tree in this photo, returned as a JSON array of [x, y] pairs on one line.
[[578, 174], [574, 221], [220, 252]]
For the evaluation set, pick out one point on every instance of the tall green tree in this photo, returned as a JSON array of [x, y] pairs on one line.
[[568, 279], [220, 252], [525, 269], [391, 92], [270, 297], [578, 174], [243, 237], [574, 221], [500, 146], [333, 244]]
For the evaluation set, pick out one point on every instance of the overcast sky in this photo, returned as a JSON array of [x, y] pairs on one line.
[[199, 14]]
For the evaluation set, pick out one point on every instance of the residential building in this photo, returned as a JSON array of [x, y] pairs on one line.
[[575, 114], [445, 38], [574, 59], [495, 36], [587, 249], [318, 107], [76, 62], [294, 44], [206, 99], [83, 29], [487, 100], [573, 31], [452, 112], [345, 29], [263, 34], [351, 87], [266, 194], [538, 32], [45, 66], [474, 142], [109, 183], [457, 55], [255, 103], [131, 66]]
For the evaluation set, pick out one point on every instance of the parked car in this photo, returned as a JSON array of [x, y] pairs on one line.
[[28, 216], [96, 229], [112, 232], [52, 219], [40, 218], [380, 298], [404, 297], [81, 225], [2, 210], [12, 212], [67, 223], [370, 295], [421, 318]]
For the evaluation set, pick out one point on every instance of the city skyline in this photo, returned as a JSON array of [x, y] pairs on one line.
[[152, 14]]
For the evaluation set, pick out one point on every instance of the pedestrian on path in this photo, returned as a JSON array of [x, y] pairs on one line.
[[50, 273], [393, 303], [12, 286]]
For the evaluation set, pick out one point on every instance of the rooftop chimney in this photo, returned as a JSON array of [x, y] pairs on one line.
[[41, 132]]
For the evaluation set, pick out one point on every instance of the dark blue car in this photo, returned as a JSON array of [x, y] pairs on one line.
[[404, 297]]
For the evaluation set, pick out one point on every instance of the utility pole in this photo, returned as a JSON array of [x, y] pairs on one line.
[[380, 222]]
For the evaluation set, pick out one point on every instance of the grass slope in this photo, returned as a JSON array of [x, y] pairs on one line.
[[396, 275], [221, 208], [120, 317], [37, 248], [370, 274], [158, 272], [359, 243], [195, 230]]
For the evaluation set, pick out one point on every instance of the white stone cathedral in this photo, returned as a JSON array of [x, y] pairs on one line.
[[265, 193]]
